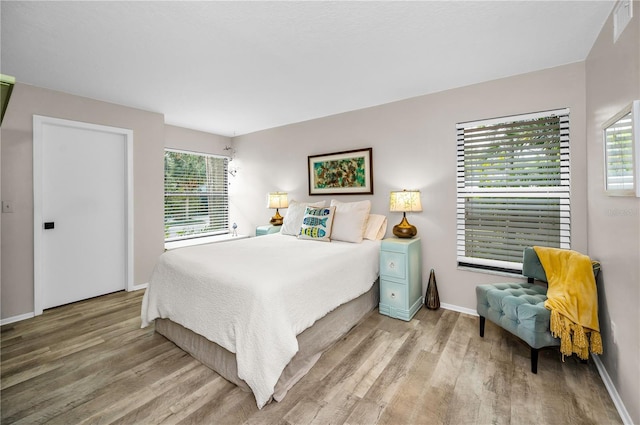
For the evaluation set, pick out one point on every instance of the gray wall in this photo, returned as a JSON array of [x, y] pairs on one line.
[[196, 141], [17, 183], [414, 147], [613, 81]]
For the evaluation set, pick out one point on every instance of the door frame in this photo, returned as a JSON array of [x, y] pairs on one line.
[[39, 122]]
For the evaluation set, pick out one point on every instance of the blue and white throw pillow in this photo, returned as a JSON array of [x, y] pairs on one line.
[[317, 223]]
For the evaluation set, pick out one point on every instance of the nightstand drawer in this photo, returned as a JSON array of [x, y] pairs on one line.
[[393, 264], [393, 295]]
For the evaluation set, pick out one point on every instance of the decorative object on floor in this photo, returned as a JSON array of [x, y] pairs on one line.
[[277, 200], [405, 201], [431, 298], [341, 173]]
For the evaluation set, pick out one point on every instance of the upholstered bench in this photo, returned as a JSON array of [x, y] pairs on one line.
[[519, 307]]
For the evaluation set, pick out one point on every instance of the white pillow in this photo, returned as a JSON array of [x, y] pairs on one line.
[[316, 224], [295, 213], [350, 220], [376, 227]]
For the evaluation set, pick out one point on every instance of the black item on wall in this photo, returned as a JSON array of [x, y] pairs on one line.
[[6, 86]]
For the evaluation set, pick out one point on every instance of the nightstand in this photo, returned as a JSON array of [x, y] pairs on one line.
[[400, 277], [267, 229]]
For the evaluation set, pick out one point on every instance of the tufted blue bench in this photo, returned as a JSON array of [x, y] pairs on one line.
[[519, 307]]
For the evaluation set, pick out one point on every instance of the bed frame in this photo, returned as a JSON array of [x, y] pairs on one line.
[[312, 342]]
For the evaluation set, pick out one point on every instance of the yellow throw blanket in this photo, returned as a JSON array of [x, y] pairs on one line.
[[573, 300]]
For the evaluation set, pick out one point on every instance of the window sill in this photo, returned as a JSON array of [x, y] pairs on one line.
[[202, 241], [493, 272]]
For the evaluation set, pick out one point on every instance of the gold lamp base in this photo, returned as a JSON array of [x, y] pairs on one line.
[[404, 229], [276, 220]]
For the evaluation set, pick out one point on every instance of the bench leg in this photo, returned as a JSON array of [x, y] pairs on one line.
[[534, 360], [482, 319]]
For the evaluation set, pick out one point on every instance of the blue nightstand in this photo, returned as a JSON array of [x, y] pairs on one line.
[[267, 229], [400, 277]]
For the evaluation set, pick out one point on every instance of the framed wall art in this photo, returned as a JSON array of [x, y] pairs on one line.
[[341, 173]]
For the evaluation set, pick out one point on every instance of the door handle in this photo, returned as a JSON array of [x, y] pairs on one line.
[[49, 225]]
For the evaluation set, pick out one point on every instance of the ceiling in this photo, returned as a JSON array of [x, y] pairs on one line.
[[233, 68]]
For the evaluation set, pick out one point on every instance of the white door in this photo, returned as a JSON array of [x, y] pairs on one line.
[[81, 212]]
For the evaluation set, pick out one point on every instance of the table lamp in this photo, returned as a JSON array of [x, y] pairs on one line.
[[277, 200], [405, 201]]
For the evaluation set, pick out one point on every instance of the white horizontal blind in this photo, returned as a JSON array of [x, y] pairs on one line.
[[619, 155], [196, 200], [513, 188]]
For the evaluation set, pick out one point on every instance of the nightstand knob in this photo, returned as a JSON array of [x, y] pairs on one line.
[[393, 295], [392, 265]]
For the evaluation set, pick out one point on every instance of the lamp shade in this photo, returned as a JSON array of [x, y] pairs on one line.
[[277, 200], [405, 201]]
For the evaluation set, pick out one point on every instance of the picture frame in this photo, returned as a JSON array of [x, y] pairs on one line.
[[341, 173]]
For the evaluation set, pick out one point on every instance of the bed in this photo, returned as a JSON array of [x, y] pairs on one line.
[[260, 311]]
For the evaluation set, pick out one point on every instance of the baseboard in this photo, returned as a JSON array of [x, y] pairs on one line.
[[139, 287], [613, 393], [459, 309], [25, 316], [16, 318]]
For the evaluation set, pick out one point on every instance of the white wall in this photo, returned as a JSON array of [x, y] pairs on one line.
[[414, 147]]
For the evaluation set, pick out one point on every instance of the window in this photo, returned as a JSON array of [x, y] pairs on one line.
[[622, 152], [512, 188], [196, 201]]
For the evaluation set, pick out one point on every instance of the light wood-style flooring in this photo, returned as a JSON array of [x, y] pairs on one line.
[[90, 362]]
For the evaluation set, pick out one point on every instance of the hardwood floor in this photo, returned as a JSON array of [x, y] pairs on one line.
[[90, 362]]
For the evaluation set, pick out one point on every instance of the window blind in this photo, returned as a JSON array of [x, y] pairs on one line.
[[196, 200], [513, 188]]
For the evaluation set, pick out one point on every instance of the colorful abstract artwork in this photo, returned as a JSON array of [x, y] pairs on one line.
[[341, 173]]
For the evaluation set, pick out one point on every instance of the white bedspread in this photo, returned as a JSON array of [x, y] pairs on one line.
[[253, 296]]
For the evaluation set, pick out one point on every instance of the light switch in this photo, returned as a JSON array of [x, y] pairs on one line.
[[7, 206]]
